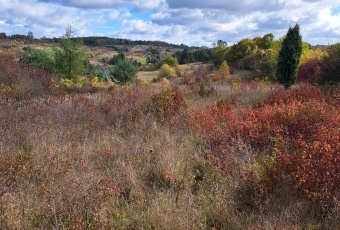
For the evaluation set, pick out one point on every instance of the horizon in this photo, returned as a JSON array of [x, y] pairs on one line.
[[190, 23]]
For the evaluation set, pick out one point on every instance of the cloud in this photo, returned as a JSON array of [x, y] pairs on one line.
[[188, 22]]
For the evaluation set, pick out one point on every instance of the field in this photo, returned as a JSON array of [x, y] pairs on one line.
[[190, 153]]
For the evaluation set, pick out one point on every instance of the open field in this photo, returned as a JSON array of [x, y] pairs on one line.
[[192, 152]]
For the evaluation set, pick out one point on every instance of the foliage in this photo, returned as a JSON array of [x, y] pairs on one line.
[[313, 54], [169, 60], [168, 103], [308, 72], [37, 58], [330, 67], [82, 85], [180, 70], [184, 57], [68, 59], [300, 126], [224, 71], [125, 71], [103, 73], [20, 82], [117, 58], [240, 50], [289, 57], [166, 72]]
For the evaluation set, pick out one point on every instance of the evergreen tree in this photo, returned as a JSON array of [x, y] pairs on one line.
[[289, 57], [69, 58]]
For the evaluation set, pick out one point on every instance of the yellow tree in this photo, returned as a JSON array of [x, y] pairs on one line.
[[223, 71]]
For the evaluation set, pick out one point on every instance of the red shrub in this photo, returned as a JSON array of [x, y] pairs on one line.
[[308, 72], [22, 82], [299, 126]]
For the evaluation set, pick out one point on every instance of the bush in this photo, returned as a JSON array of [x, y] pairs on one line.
[[168, 103], [297, 134], [125, 71], [166, 72], [308, 72], [330, 67], [37, 59], [21, 82]]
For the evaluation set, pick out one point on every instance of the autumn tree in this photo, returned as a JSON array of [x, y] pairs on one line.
[[69, 58], [224, 71], [289, 57]]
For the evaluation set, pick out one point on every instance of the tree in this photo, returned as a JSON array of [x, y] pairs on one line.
[[289, 57], [3, 35], [125, 71], [69, 58], [30, 35], [224, 71]]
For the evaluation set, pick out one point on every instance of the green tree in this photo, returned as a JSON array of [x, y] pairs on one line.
[[125, 71], [224, 71], [289, 57], [69, 58]]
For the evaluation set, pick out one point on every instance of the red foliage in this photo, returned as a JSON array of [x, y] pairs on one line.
[[300, 126], [308, 72], [22, 82]]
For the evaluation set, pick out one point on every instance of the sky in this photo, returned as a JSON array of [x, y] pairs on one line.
[[189, 22]]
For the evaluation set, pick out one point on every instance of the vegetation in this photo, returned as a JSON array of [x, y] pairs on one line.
[[166, 72], [189, 152], [38, 59], [69, 58], [289, 57], [125, 71]]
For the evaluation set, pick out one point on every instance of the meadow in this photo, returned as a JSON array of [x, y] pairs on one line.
[[192, 152]]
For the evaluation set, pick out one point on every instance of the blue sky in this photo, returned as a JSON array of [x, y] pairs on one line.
[[191, 22]]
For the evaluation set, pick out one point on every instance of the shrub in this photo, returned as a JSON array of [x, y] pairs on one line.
[[37, 58], [180, 70], [308, 72], [166, 72], [21, 82], [297, 134], [125, 71], [330, 67], [168, 103]]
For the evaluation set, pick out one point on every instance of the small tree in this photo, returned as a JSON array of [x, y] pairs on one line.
[[125, 71], [224, 71], [69, 58], [166, 72], [289, 57]]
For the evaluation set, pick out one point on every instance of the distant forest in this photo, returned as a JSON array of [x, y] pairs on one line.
[[92, 41]]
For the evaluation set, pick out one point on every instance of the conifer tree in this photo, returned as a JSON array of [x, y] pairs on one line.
[[289, 57], [69, 58]]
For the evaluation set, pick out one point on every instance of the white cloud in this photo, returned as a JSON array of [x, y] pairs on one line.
[[189, 22]]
